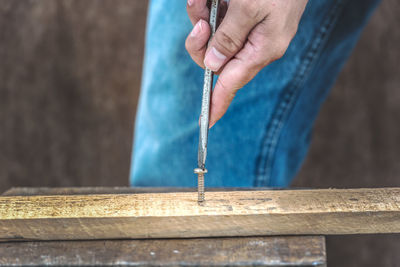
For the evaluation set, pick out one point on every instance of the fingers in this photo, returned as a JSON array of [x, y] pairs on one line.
[[251, 35], [196, 42], [241, 17], [197, 9], [260, 50], [239, 71], [234, 76]]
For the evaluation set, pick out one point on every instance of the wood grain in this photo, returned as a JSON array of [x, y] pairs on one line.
[[40, 191], [177, 215], [244, 251], [238, 251]]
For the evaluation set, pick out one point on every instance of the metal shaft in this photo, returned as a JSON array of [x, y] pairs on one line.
[[205, 109]]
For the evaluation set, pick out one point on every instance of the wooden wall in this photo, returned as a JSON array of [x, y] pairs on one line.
[[69, 80]]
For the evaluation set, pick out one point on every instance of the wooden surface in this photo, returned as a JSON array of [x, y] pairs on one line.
[[238, 251], [177, 215], [40, 191], [254, 251]]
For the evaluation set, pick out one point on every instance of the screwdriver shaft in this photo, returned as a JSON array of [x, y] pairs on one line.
[[205, 110]]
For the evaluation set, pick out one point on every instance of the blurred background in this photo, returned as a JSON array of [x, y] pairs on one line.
[[69, 81]]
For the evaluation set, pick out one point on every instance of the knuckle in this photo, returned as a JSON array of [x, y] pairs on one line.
[[257, 61], [258, 57], [277, 55], [282, 45], [228, 44], [250, 9]]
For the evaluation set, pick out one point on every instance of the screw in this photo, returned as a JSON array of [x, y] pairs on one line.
[[200, 184]]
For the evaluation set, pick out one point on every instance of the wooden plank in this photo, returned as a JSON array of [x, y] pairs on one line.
[[40, 191], [177, 215], [244, 251]]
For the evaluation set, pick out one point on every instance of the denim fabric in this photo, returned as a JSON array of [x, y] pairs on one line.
[[264, 137]]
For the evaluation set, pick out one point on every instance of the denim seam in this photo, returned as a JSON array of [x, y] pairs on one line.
[[284, 107]]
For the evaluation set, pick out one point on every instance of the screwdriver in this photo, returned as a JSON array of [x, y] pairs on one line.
[[205, 111]]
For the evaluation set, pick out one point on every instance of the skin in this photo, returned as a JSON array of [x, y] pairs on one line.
[[251, 35]]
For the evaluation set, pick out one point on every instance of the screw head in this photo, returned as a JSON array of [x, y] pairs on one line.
[[200, 171]]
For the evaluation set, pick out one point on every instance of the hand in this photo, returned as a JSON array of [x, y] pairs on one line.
[[251, 35]]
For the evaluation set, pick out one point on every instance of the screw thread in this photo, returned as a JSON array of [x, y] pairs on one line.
[[200, 184], [200, 187]]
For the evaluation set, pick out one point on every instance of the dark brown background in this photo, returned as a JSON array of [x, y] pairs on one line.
[[69, 80]]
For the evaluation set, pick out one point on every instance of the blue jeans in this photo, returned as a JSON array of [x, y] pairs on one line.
[[263, 138]]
